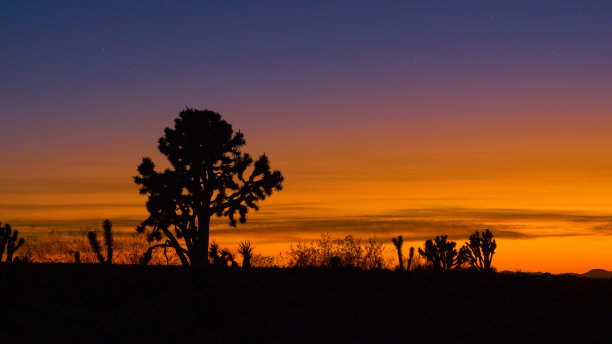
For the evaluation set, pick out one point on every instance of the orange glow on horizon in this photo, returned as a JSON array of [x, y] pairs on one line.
[[555, 177]]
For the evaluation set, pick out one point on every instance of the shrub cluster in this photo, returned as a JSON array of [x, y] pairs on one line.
[[328, 252]]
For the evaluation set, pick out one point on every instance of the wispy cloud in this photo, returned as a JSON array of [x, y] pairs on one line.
[[294, 221]]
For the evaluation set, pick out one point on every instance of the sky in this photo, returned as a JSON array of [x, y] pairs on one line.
[[394, 118]]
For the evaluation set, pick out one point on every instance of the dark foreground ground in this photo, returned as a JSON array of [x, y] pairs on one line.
[[92, 303]]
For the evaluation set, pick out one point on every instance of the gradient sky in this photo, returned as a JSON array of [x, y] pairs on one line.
[[398, 118]]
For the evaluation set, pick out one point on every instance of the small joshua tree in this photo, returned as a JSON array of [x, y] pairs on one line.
[[246, 251], [398, 242], [108, 240], [410, 257], [442, 253], [479, 251], [9, 242]]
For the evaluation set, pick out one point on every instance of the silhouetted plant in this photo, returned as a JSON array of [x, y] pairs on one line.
[[108, 241], [246, 251], [214, 255], [373, 256], [77, 257], [207, 178], [346, 252], [442, 253], [410, 257], [419, 262], [9, 242], [228, 258], [398, 242], [262, 261], [221, 258], [107, 226], [478, 252], [24, 259], [146, 257]]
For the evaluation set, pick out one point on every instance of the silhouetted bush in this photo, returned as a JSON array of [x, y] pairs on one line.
[[23, 259], [9, 242], [221, 258], [346, 252], [478, 252], [441, 253], [260, 261], [108, 241]]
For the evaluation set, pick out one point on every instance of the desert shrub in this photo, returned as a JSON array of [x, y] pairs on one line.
[[328, 252], [420, 263], [260, 261], [374, 255], [62, 247]]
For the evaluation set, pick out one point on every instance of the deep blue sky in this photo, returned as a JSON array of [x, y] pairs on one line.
[[66, 54]]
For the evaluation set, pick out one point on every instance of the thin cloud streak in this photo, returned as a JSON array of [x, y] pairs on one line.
[[294, 221]]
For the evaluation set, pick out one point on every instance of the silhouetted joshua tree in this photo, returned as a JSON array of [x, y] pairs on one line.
[[9, 242], [95, 244], [246, 251], [442, 253], [410, 257], [398, 242], [479, 251], [208, 177]]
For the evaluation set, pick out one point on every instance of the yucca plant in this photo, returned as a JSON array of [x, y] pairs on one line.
[[213, 253], [246, 251], [108, 241]]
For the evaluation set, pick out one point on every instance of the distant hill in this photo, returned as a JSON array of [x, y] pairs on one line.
[[598, 273], [594, 273]]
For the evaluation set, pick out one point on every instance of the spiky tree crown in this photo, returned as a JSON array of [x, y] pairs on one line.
[[210, 176]]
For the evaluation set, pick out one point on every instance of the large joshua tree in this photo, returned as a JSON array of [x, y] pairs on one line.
[[209, 176]]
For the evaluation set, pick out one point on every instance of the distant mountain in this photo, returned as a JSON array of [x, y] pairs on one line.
[[598, 273]]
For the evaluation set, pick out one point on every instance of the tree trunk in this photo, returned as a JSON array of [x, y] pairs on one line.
[[203, 239]]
